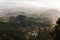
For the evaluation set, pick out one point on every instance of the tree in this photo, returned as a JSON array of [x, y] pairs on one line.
[[1, 19], [21, 18], [57, 30]]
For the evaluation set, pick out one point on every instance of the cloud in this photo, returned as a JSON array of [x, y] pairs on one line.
[[27, 3]]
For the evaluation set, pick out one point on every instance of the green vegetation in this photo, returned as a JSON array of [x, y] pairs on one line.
[[26, 28], [57, 30]]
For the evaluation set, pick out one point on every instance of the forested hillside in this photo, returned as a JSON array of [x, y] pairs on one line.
[[22, 27]]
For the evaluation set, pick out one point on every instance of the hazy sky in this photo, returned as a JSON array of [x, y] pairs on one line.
[[28, 3]]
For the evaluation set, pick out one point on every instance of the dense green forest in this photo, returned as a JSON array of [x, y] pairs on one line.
[[27, 28]]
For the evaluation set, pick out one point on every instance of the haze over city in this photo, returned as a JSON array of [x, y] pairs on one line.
[[31, 7]]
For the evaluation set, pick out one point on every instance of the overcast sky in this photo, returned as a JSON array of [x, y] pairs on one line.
[[28, 3]]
